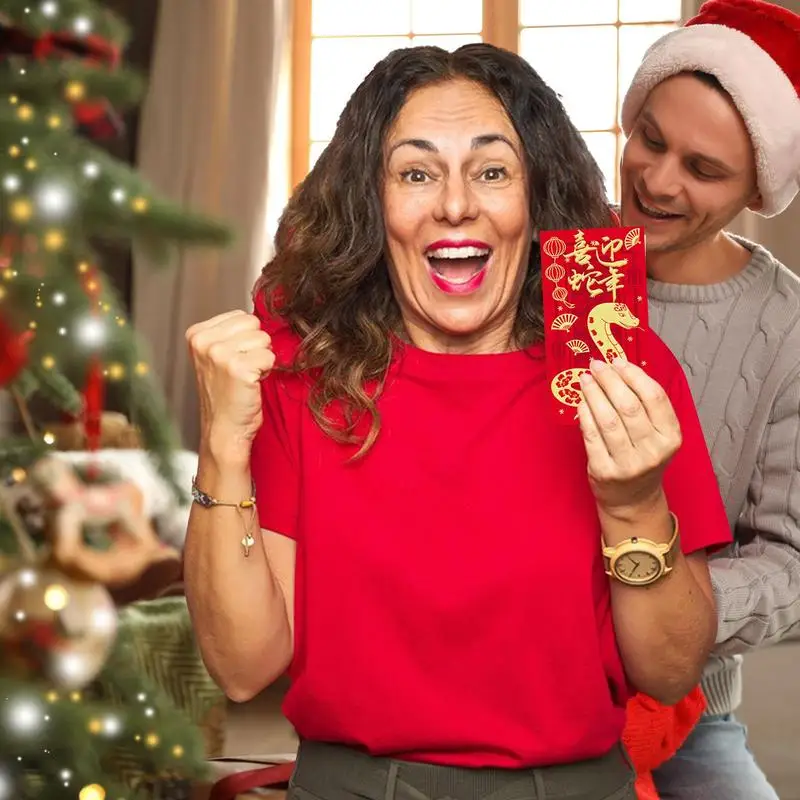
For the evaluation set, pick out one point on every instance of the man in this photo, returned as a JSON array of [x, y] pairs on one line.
[[713, 120]]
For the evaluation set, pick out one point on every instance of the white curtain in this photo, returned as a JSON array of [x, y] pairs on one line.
[[214, 137]]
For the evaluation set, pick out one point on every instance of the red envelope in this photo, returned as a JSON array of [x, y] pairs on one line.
[[594, 284]]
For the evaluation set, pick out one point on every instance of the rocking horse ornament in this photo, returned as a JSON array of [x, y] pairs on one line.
[[595, 304], [117, 507]]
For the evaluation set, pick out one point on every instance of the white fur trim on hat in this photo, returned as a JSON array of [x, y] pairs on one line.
[[762, 92]]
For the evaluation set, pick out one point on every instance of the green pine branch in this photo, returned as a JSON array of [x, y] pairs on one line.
[[32, 16]]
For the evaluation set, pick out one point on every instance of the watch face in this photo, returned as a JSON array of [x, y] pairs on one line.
[[637, 567]]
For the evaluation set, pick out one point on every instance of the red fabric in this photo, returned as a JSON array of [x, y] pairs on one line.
[[774, 29], [450, 599], [654, 733]]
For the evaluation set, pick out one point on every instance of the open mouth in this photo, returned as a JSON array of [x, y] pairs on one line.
[[652, 211], [458, 267]]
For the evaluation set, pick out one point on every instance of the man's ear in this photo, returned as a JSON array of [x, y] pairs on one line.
[[756, 203]]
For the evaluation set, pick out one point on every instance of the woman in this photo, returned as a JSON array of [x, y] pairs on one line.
[[429, 567]]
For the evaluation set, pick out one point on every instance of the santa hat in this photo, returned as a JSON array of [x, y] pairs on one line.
[[752, 47]]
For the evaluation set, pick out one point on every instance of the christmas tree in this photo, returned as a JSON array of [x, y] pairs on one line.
[[66, 344]]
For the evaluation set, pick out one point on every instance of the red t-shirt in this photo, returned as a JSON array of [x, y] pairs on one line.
[[451, 604]]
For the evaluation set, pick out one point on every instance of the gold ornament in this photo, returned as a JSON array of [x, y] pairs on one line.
[[14, 150], [31, 164], [13, 99], [25, 112], [151, 740], [54, 627], [142, 369], [54, 121], [75, 91], [48, 362], [139, 204], [83, 268], [177, 751]]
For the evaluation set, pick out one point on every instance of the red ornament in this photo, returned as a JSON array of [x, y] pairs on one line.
[[13, 352]]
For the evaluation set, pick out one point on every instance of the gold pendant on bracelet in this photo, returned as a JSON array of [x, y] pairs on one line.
[[247, 543]]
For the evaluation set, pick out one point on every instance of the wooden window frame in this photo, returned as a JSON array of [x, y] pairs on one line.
[[501, 27]]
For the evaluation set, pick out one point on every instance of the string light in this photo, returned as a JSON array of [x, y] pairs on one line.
[[91, 331], [31, 164], [11, 183], [56, 597], [83, 267], [21, 210], [94, 791], [54, 121], [75, 91], [59, 298], [54, 199], [82, 25], [142, 369], [48, 362], [91, 170], [49, 8], [25, 716], [139, 204], [177, 751], [14, 151], [151, 740], [48, 438], [25, 112], [75, 696], [13, 99], [115, 372], [118, 195], [53, 240]]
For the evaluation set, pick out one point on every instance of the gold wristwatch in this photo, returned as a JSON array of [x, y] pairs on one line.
[[641, 562]]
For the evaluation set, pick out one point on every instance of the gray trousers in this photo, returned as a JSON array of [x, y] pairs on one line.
[[334, 772]]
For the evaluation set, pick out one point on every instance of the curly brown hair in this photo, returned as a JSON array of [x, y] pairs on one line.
[[329, 271]]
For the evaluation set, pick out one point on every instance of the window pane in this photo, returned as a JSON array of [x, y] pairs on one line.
[[447, 42], [315, 151], [603, 148], [649, 10], [568, 12], [337, 68], [359, 17], [633, 42], [581, 65], [445, 16]]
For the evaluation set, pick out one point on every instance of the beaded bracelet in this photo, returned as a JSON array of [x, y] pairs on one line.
[[249, 504]]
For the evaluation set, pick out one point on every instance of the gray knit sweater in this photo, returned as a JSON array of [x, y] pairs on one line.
[[739, 343]]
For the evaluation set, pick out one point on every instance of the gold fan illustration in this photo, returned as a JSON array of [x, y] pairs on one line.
[[563, 322]]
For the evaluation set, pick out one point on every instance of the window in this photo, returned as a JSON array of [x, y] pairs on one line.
[[587, 50]]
